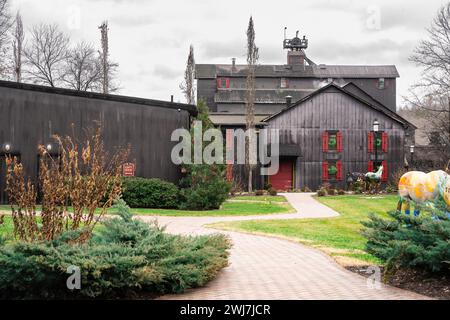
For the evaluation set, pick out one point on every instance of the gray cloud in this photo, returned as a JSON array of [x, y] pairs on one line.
[[223, 49], [166, 72], [132, 21], [375, 52]]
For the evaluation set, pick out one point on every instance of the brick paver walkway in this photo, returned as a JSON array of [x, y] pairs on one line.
[[270, 268]]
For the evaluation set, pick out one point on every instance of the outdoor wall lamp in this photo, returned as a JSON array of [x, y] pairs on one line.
[[411, 149], [376, 126], [7, 147]]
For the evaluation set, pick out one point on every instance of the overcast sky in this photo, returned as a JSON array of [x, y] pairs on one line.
[[150, 38]]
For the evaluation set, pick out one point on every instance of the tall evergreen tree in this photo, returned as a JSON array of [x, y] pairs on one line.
[[188, 85], [252, 59]]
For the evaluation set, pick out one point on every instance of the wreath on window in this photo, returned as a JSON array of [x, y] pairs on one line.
[[332, 170], [332, 142], [378, 142]]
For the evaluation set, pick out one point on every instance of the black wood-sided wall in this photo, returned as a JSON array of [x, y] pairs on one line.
[[30, 115]]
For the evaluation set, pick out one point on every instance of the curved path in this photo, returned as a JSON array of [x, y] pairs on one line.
[[270, 268]]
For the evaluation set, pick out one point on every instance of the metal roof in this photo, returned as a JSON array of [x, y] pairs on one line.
[[234, 119], [192, 109], [266, 96], [391, 114], [209, 71]]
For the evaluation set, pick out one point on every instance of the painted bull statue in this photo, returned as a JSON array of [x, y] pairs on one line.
[[423, 188]]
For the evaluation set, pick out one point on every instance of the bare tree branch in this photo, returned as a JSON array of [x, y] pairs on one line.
[[5, 25], [83, 68], [431, 96], [46, 55]]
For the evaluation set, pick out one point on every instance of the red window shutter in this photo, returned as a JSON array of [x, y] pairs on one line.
[[370, 142], [325, 170], [384, 142], [339, 171], [384, 176], [219, 83], [339, 141], [227, 83], [370, 166], [229, 172], [325, 141]]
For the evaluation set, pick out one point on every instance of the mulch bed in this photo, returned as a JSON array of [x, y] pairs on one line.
[[431, 285]]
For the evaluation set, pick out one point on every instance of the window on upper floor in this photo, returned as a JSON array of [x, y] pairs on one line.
[[381, 83], [284, 83], [377, 142], [223, 83], [332, 141]]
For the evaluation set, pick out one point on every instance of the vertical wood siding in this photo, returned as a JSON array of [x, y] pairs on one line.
[[29, 118], [334, 110]]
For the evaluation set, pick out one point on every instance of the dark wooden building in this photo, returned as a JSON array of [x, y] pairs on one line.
[[329, 133], [314, 104], [30, 115]]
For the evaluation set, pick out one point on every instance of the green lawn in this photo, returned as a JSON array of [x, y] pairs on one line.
[[260, 198], [265, 205], [6, 229], [340, 236], [228, 209]]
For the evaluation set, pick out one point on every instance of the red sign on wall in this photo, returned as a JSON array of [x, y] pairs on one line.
[[129, 169]]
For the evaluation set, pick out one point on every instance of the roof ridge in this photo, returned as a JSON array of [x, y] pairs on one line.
[[101, 96], [385, 110]]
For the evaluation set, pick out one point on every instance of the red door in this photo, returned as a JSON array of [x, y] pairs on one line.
[[284, 178]]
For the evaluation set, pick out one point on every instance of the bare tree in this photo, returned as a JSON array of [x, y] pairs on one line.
[[18, 39], [46, 54], [109, 68], [252, 59], [431, 94], [5, 24], [188, 86], [83, 68]]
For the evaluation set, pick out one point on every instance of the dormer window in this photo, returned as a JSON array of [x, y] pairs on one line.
[[381, 83]]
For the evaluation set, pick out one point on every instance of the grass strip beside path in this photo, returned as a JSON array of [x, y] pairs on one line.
[[243, 208], [260, 198], [340, 236]]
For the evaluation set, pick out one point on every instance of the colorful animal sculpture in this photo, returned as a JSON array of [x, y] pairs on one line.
[[373, 179], [423, 188]]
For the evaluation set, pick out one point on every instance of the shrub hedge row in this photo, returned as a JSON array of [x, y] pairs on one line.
[[150, 193], [125, 258]]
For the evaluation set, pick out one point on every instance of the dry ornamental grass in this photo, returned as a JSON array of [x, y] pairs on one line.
[[81, 175]]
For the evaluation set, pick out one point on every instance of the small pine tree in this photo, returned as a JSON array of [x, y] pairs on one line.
[[405, 241], [205, 185]]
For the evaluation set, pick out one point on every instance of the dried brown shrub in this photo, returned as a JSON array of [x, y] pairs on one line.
[[82, 176]]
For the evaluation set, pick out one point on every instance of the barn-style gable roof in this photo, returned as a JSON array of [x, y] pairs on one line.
[[364, 98]]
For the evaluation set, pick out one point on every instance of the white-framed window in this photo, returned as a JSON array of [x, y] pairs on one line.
[[381, 83], [284, 83]]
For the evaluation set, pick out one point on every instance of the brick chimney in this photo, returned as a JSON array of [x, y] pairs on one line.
[[296, 57]]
